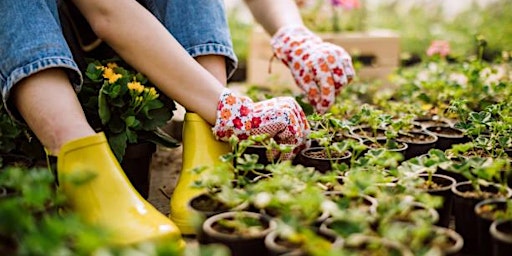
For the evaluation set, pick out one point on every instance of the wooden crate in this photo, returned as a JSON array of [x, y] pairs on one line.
[[378, 50]]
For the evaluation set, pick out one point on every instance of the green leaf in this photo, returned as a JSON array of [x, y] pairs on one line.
[[161, 138], [118, 143], [103, 108], [94, 73]]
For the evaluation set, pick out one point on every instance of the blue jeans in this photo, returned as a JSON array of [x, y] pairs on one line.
[[31, 37]]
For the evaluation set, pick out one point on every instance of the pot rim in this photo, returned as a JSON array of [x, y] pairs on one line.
[[349, 154], [404, 250], [462, 135], [208, 225], [497, 234], [443, 188], [488, 201], [459, 193], [435, 138]]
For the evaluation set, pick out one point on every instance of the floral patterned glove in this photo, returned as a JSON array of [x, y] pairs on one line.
[[320, 69], [281, 118]]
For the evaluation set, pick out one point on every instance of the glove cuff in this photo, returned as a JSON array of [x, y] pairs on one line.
[[234, 116]]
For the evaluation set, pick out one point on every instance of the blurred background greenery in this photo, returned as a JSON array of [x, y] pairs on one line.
[[418, 22]]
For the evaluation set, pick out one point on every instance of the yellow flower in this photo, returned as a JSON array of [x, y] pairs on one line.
[[151, 93], [135, 86], [100, 67], [109, 74], [112, 65]]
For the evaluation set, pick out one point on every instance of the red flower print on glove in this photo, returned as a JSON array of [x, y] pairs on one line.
[[320, 69], [280, 118]]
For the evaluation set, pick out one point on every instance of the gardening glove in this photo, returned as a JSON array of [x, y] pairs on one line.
[[280, 118], [320, 69]]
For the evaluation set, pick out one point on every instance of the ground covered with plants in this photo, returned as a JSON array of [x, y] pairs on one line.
[[421, 166]]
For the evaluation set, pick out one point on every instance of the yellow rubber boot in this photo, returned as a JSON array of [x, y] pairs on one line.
[[200, 148], [109, 199]]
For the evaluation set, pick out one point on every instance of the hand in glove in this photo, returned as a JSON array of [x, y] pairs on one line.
[[320, 69], [280, 118]]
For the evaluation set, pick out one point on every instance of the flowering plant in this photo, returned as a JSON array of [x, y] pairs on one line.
[[342, 15], [123, 104]]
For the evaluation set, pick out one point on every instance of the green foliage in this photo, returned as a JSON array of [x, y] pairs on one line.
[[17, 139], [123, 104]]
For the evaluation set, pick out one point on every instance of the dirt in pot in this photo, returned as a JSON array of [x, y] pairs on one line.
[[322, 154]]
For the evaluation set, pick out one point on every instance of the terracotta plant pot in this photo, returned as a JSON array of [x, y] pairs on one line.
[[464, 212], [501, 232], [136, 165], [239, 243], [444, 189], [447, 136], [317, 158]]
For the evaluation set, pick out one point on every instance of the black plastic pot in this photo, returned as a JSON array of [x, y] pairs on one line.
[[136, 165], [456, 240], [417, 148], [484, 222], [204, 206], [323, 165], [464, 213], [277, 245], [246, 245], [501, 233], [402, 146], [447, 136], [365, 132], [426, 122], [445, 191], [373, 245]]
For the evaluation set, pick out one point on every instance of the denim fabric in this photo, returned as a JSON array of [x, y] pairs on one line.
[[31, 40], [199, 25]]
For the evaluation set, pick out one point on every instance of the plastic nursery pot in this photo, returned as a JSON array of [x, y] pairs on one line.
[[418, 143], [446, 240], [366, 132], [457, 176], [454, 242], [373, 245], [318, 158], [501, 235], [447, 136], [485, 212], [278, 245], [443, 188], [363, 202], [204, 206], [464, 203], [245, 241], [426, 122], [371, 144], [136, 165], [421, 210]]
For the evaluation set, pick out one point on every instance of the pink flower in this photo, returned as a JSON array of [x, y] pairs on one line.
[[346, 4], [439, 47]]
